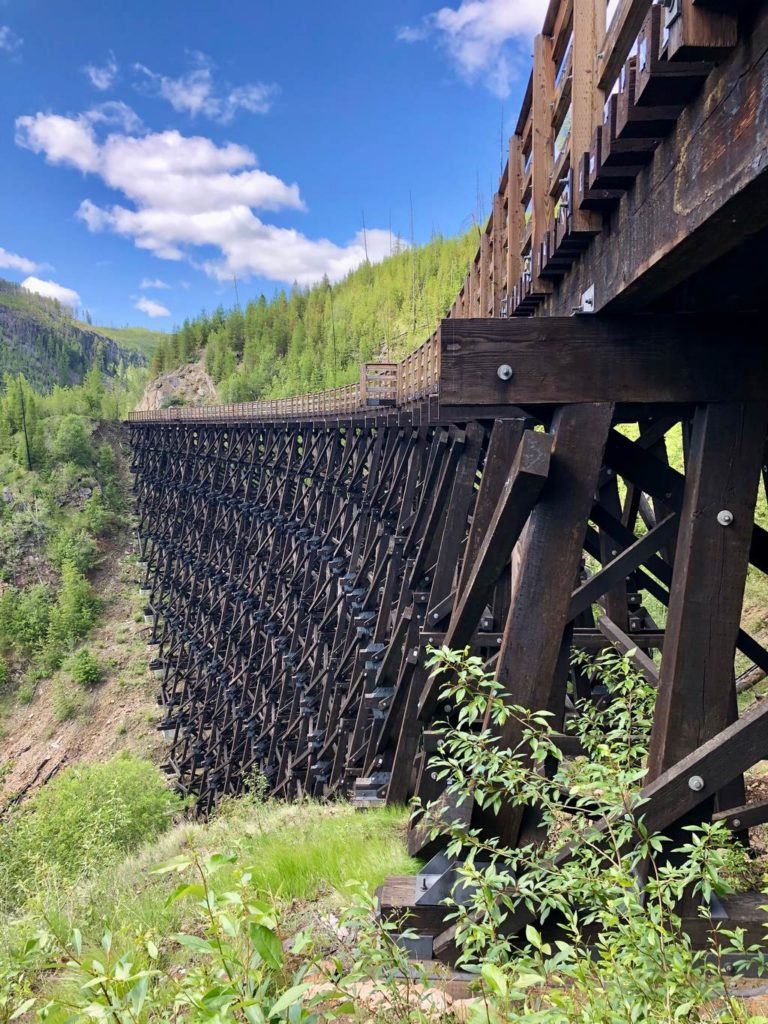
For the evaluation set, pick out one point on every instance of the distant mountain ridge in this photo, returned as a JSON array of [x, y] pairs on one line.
[[39, 338]]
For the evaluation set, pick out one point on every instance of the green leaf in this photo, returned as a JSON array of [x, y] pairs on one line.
[[22, 1009], [495, 979], [254, 1014], [267, 945], [219, 860], [528, 979], [152, 950], [179, 864], [138, 994], [186, 889], [194, 942], [77, 941], [289, 997]]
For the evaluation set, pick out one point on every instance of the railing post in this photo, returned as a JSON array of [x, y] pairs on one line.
[[586, 98], [542, 152]]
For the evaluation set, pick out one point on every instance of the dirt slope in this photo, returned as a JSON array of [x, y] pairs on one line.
[[62, 723]]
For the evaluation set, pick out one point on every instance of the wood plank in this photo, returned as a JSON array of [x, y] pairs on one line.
[[549, 561], [626, 643], [526, 478], [542, 151], [708, 579], [502, 446], [641, 358], [618, 40], [587, 100], [622, 565], [746, 816]]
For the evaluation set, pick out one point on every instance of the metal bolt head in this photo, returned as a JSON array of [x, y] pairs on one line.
[[735, 822], [696, 783], [725, 517], [505, 372]]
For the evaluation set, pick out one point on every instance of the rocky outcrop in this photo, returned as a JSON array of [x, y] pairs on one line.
[[39, 339], [187, 385]]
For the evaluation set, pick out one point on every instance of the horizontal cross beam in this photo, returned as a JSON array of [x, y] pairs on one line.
[[594, 358]]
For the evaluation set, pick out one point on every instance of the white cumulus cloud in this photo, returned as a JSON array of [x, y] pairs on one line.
[[480, 37], [196, 92], [150, 307], [9, 41], [153, 282], [52, 290], [102, 76], [186, 193], [10, 261]]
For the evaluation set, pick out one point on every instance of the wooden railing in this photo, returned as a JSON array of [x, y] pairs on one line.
[[380, 385], [610, 78]]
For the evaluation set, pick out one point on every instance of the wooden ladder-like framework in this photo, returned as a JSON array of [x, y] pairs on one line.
[[507, 486], [296, 572]]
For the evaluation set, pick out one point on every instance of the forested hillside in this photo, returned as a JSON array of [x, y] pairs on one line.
[[315, 338], [39, 339], [142, 339]]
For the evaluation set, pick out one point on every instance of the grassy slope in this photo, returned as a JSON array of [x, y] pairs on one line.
[[302, 858], [140, 338]]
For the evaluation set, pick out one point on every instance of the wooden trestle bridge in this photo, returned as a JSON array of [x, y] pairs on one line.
[[299, 555]]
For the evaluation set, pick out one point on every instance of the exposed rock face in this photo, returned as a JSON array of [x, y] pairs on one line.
[[40, 339], [188, 385]]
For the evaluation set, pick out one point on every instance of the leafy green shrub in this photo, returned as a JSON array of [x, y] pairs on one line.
[[106, 462], [74, 545], [243, 961], [71, 441], [85, 668], [96, 515], [72, 615], [25, 616], [25, 693], [85, 818], [620, 951], [66, 701], [5, 675], [65, 479]]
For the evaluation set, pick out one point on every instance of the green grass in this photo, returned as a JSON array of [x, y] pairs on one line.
[[301, 859], [297, 854], [141, 338]]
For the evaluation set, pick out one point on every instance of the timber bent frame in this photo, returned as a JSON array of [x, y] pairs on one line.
[[508, 486]]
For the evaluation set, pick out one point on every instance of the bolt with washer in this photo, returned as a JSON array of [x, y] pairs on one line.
[[505, 372], [696, 783], [725, 517]]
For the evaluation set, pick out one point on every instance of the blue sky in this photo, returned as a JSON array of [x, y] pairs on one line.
[[152, 152]]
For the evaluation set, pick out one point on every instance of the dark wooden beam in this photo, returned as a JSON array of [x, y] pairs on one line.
[[550, 554], [696, 678], [638, 358], [622, 565], [525, 480], [629, 645], [746, 816]]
